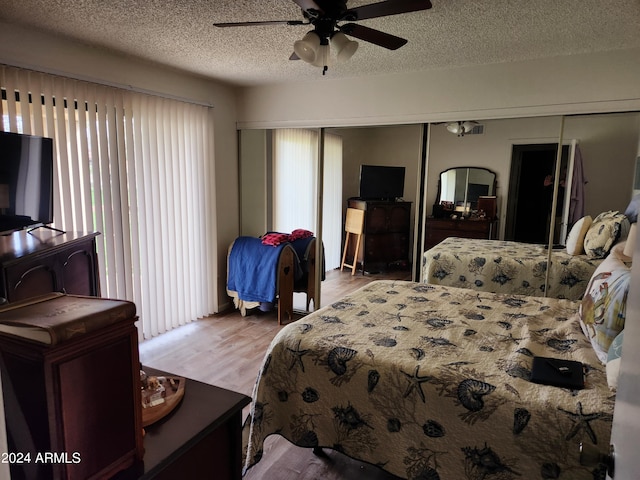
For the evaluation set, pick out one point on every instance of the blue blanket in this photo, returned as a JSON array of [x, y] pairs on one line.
[[253, 269]]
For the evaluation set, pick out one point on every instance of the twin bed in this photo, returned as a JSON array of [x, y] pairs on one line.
[[507, 267], [433, 382]]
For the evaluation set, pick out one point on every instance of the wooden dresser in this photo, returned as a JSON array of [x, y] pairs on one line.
[[386, 237], [440, 228], [46, 261], [201, 438], [71, 386]]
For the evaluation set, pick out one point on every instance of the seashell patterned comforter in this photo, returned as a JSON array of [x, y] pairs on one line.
[[431, 382], [507, 267]]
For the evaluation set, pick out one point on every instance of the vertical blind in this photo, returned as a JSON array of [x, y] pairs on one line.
[[138, 169], [295, 195], [332, 200]]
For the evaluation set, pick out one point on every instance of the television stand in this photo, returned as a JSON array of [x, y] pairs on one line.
[[48, 227], [61, 263]]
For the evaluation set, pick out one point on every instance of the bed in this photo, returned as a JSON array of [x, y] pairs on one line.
[[521, 268], [432, 382], [507, 267], [261, 276]]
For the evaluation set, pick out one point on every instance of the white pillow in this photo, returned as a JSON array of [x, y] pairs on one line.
[[575, 239]]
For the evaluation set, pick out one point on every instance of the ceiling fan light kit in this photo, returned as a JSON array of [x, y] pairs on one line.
[[322, 58], [326, 15], [307, 48], [317, 52], [344, 47]]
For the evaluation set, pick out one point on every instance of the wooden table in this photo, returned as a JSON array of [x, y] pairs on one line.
[[201, 438]]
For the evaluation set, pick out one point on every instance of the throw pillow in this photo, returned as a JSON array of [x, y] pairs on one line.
[[275, 239], [575, 239], [605, 230], [603, 307], [300, 233], [614, 357]]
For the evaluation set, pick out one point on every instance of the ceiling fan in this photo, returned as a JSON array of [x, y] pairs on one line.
[[327, 17]]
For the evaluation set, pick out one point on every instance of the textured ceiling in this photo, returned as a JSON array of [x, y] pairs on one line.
[[453, 33]]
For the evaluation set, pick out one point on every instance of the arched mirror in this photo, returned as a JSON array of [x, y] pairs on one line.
[[461, 190]]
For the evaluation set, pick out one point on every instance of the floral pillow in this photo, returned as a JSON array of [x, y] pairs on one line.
[[603, 308], [605, 230]]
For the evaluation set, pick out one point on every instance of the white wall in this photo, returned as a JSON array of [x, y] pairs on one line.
[[609, 145], [398, 145], [253, 175], [604, 81]]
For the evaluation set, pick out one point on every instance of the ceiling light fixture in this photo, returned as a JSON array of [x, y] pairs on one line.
[[315, 48], [460, 128], [307, 49], [344, 47]]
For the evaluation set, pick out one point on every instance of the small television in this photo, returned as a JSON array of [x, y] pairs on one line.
[[379, 182], [26, 181]]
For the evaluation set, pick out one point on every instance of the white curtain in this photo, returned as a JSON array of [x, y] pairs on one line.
[[295, 196], [136, 168]]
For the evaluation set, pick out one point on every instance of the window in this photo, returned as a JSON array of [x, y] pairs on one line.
[[295, 195], [137, 168]]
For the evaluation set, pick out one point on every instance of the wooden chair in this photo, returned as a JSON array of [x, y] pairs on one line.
[[354, 225]]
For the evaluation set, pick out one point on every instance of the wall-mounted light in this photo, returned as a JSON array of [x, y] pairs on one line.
[[460, 128]]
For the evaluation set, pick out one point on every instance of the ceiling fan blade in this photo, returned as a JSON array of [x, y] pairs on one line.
[[382, 9], [268, 22], [371, 35]]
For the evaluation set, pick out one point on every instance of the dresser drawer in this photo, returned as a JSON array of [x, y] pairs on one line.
[[440, 228]]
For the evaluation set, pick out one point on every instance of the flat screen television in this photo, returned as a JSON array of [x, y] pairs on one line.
[[379, 182], [26, 181]]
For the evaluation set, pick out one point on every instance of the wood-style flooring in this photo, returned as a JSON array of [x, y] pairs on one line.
[[227, 350]]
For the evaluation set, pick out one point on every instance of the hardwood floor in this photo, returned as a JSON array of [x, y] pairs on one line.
[[227, 350]]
